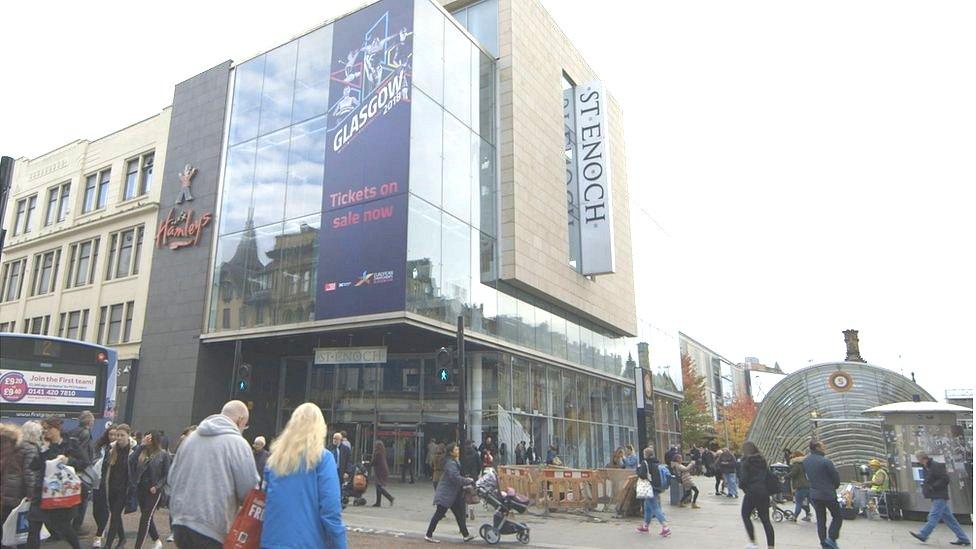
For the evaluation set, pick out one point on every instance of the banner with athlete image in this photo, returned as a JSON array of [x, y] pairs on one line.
[[363, 240]]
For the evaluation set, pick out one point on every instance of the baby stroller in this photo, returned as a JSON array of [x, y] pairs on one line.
[[356, 486], [776, 512], [504, 503]]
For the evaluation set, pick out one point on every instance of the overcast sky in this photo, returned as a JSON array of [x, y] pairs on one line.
[[812, 162]]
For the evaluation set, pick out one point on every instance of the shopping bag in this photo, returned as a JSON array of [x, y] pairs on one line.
[[62, 487], [245, 533], [16, 526], [644, 489]]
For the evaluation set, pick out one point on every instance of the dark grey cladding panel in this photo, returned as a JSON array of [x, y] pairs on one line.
[[169, 370]]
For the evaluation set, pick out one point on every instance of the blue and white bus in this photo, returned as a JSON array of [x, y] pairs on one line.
[[42, 376]]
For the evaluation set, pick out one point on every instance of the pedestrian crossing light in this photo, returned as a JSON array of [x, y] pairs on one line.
[[445, 360], [243, 377]]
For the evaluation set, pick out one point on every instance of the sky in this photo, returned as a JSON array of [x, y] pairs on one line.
[[812, 164]]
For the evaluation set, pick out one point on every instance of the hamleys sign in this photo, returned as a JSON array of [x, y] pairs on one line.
[[182, 227]]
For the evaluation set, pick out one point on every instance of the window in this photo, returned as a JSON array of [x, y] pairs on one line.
[[12, 278], [8, 326], [96, 190], [481, 20], [38, 325], [24, 220], [124, 252], [57, 203], [138, 176], [81, 263], [74, 325], [45, 272], [115, 323]]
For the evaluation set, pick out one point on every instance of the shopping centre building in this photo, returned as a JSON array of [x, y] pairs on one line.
[[330, 208]]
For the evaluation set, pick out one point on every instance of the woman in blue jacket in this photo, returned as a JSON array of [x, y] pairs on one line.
[[303, 508]]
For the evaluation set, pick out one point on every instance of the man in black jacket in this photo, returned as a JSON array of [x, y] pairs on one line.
[[824, 481], [343, 458], [936, 488]]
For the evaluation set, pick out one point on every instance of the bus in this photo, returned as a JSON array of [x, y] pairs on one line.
[[42, 376]]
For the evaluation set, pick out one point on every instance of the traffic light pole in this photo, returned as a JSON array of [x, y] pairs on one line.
[[462, 382]]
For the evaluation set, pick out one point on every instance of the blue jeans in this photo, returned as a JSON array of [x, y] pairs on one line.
[[802, 499], [730, 484], [940, 512], [652, 508]]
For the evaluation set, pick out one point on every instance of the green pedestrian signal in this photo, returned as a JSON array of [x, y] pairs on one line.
[[444, 375]]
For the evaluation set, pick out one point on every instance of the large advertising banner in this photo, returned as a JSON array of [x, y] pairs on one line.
[[47, 388], [363, 240], [593, 175]]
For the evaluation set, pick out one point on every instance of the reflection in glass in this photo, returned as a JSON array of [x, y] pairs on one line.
[[457, 169], [306, 168], [486, 98], [543, 329], [455, 266], [312, 75], [457, 74], [292, 269], [423, 258], [279, 88], [520, 384], [505, 382], [507, 317], [426, 138], [555, 388], [270, 172], [484, 190], [428, 50], [246, 106], [526, 320], [236, 193]]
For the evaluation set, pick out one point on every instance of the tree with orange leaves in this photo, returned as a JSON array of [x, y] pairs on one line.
[[737, 417]]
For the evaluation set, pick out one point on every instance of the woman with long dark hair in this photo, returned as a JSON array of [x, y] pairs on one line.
[[381, 472], [148, 467], [100, 510], [449, 495], [115, 482], [754, 480], [17, 481]]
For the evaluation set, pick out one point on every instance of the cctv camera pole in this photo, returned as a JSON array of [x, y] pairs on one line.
[[462, 381]]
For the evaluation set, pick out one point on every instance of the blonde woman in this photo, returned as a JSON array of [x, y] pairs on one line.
[[303, 507]]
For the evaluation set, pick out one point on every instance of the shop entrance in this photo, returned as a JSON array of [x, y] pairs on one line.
[[294, 379]]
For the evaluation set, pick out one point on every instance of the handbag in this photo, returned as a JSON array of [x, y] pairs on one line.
[[245, 533], [644, 488], [16, 527], [62, 487]]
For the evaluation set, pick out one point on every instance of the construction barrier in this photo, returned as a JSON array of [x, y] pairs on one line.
[[554, 488]]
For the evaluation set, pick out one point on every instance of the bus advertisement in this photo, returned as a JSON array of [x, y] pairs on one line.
[[43, 376]]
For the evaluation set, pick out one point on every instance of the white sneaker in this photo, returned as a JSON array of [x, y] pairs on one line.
[[158, 544], [170, 539], [752, 546], [97, 543]]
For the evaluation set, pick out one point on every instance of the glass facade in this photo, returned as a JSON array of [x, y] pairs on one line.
[[268, 226]]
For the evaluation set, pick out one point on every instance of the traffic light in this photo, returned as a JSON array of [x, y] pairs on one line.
[[445, 366], [243, 377]]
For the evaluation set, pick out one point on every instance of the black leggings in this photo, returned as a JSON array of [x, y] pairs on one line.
[[147, 508], [100, 511], [380, 491], [836, 520], [718, 481], [759, 502], [459, 515], [116, 506], [691, 493], [59, 521]]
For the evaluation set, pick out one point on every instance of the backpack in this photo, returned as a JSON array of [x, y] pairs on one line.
[[664, 474]]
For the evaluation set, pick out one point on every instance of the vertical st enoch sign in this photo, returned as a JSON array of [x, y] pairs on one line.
[[593, 176], [363, 241]]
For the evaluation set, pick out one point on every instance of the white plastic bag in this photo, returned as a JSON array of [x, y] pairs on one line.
[[16, 527], [62, 487]]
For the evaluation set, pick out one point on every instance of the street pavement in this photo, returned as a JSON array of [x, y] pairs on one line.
[[716, 525]]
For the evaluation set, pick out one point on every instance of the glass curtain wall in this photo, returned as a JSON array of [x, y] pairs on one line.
[[268, 227], [264, 268]]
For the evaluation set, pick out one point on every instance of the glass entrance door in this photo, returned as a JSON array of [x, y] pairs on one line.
[[292, 388]]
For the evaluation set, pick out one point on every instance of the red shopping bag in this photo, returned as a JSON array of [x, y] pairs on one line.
[[245, 533]]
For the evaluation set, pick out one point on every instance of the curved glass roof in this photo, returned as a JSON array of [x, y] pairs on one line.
[[816, 401]]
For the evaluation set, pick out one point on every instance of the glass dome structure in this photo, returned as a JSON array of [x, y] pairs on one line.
[[827, 401]]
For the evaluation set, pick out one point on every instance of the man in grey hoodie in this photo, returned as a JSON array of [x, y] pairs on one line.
[[210, 477]]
